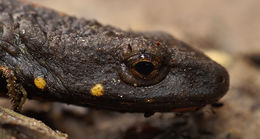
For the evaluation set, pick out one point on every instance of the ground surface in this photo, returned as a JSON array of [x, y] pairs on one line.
[[230, 28]]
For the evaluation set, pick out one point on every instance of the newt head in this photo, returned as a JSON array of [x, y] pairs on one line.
[[158, 75], [77, 61]]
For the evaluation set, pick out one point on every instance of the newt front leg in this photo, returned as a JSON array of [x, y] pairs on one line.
[[16, 92]]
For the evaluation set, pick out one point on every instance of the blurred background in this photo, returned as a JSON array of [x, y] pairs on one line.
[[228, 31]]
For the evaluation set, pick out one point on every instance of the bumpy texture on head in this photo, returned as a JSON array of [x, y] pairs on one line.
[[139, 72]]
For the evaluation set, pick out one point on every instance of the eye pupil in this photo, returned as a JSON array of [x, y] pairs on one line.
[[144, 68]]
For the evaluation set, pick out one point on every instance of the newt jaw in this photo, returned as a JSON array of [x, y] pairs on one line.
[[146, 107]]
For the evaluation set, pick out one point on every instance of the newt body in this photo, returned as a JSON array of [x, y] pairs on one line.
[[62, 58]]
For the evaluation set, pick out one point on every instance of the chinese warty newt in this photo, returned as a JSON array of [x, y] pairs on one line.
[[53, 56]]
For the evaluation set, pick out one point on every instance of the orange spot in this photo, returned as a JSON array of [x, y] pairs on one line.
[[97, 90], [40, 82]]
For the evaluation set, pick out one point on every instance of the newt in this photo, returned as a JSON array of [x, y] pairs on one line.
[[57, 57]]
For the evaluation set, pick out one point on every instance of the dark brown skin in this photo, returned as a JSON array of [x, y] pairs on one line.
[[139, 72]]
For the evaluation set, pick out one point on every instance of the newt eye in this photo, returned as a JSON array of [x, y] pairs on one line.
[[143, 69]]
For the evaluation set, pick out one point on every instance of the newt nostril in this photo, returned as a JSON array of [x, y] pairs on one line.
[[221, 79]]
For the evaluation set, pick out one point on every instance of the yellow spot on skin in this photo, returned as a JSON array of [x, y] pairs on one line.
[[40, 82], [97, 90]]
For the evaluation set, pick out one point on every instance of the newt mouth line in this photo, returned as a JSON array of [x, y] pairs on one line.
[[153, 107]]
